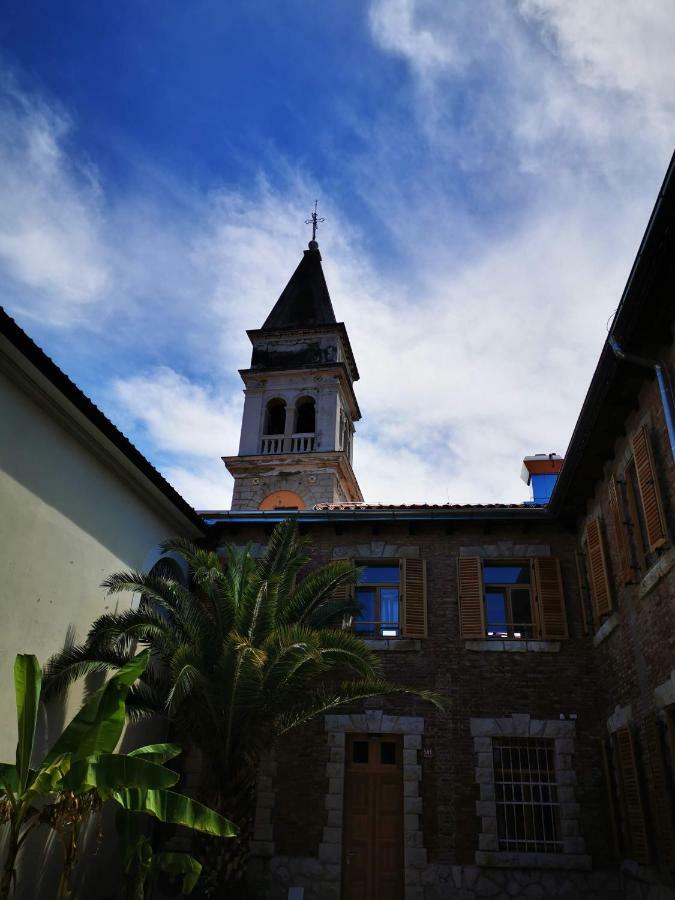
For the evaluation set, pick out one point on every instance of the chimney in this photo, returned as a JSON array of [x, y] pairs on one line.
[[541, 473]]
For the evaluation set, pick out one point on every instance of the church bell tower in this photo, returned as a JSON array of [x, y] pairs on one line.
[[299, 410]]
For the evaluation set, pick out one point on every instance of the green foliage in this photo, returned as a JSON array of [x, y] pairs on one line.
[[140, 863], [81, 771]]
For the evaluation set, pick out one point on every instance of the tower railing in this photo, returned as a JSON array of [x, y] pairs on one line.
[[272, 443], [301, 442]]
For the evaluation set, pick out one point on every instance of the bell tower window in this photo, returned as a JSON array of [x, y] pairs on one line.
[[305, 416], [275, 417]]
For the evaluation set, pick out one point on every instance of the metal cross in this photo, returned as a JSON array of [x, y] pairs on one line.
[[314, 221]]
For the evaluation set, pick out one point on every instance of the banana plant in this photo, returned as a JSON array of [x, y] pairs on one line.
[[140, 862], [82, 771]]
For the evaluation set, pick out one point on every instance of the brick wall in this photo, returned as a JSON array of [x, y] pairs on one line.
[[544, 685]]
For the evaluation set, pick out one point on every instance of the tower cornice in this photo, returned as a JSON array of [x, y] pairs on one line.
[[259, 334]]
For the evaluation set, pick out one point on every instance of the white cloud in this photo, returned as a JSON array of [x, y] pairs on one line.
[[180, 417], [50, 215], [511, 229]]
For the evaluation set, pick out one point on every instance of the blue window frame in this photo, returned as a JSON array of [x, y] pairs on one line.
[[378, 594], [508, 599]]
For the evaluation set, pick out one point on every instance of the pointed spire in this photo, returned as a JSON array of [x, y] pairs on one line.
[[305, 301]]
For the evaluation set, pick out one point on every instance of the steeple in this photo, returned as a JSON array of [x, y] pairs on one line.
[[299, 410], [305, 300]]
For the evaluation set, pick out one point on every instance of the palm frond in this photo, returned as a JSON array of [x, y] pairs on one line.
[[325, 700], [317, 588], [78, 661]]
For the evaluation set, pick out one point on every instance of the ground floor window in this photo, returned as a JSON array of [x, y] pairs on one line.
[[528, 811]]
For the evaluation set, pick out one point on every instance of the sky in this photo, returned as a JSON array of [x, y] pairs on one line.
[[485, 168]]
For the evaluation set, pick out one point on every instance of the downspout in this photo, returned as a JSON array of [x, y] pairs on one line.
[[662, 381]]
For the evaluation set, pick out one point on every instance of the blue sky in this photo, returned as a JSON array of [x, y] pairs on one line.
[[486, 170]]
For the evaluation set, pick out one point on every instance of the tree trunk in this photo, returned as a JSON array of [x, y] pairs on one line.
[[225, 860], [8, 874], [70, 849]]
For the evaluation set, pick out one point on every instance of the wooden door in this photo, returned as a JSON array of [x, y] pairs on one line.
[[373, 818]]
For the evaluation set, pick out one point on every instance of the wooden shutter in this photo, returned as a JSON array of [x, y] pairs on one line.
[[662, 803], [597, 569], [631, 796], [414, 598], [345, 592], [581, 587], [619, 519], [649, 490], [470, 589], [550, 599], [607, 768]]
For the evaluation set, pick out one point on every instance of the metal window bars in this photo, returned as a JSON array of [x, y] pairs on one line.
[[528, 811]]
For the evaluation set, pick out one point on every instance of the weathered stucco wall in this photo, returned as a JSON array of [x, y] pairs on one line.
[[68, 518]]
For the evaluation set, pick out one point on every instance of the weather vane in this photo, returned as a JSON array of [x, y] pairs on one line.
[[314, 221]]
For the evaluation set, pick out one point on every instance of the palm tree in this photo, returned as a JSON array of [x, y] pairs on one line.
[[252, 649]]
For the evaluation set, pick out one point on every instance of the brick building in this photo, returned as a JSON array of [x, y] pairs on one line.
[[549, 627]]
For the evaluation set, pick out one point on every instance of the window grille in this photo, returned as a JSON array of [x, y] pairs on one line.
[[528, 811]]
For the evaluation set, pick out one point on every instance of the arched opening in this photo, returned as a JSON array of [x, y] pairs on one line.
[[275, 417], [283, 500], [305, 416]]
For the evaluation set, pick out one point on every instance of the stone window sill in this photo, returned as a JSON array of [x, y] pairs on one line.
[[606, 629], [400, 644], [513, 646], [660, 568], [505, 860]]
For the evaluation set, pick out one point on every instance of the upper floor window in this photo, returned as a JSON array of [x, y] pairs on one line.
[[275, 416], [637, 512], [511, 599], [508, 603], [378, 595], [640, 542], [305, 416]]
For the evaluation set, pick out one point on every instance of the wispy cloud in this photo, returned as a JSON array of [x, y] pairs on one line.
[[510, 180]]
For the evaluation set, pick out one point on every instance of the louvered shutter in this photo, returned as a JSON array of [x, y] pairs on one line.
[[581, 587], [470, 589], [597, 569], [649, 490], [619, 520], [662, 803], [550, 599], [611, 798], [345, 592], [632, 796], [414, 598]]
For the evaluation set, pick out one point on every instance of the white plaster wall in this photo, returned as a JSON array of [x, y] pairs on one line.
[[67, 520]]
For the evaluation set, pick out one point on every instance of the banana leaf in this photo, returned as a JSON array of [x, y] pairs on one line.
[[27, 683], [178, 864], [114, 771], [98, 726], [158, 753], [9, 778], [168, 806]]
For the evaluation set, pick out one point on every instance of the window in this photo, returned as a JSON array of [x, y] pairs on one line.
[[305, 416], [528, 811], [275, 417], [378, 595], [624, 787], [508, 603], [515, 599], [638, 527]]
